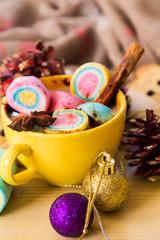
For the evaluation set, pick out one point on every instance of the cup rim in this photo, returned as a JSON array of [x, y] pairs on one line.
[[123, 106]]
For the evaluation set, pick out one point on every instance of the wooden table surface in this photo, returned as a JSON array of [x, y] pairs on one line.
[[26, 216]]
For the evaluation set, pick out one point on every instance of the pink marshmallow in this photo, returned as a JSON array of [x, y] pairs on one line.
[[27, 94], [63, 100]]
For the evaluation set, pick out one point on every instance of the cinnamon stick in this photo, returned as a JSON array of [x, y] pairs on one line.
[[123, 70]]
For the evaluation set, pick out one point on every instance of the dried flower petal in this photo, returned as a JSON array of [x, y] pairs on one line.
[[38, 62]]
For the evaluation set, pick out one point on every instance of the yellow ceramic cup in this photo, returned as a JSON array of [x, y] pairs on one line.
[[59, 159]]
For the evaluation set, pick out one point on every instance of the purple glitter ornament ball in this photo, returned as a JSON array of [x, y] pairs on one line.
[[67, 214]]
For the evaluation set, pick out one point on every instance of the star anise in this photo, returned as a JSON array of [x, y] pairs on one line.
[[24, 122]]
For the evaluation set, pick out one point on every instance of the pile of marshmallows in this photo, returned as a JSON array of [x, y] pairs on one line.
[[71, 110]]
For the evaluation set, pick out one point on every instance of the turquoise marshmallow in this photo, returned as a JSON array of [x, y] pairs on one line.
[[97, 111], [14, 114], [5, 189]]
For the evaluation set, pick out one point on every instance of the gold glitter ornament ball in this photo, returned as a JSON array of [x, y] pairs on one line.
[[114, 187]]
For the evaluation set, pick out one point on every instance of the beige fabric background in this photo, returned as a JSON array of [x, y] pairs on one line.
[[82, 30]]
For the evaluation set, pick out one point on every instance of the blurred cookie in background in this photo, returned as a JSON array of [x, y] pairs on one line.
[[147, 81], [144, 90]]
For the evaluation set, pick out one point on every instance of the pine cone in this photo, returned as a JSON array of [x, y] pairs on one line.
[[38, 62], [145, 144]]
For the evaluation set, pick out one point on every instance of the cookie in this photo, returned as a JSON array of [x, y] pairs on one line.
[[147, 81]]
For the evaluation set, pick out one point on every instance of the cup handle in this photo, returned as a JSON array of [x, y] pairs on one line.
[[7, 161]]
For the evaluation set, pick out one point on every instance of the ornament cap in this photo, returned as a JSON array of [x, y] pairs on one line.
[[106, 158]]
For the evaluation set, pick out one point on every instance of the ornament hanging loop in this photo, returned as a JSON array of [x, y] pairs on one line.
[[104, 157]]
